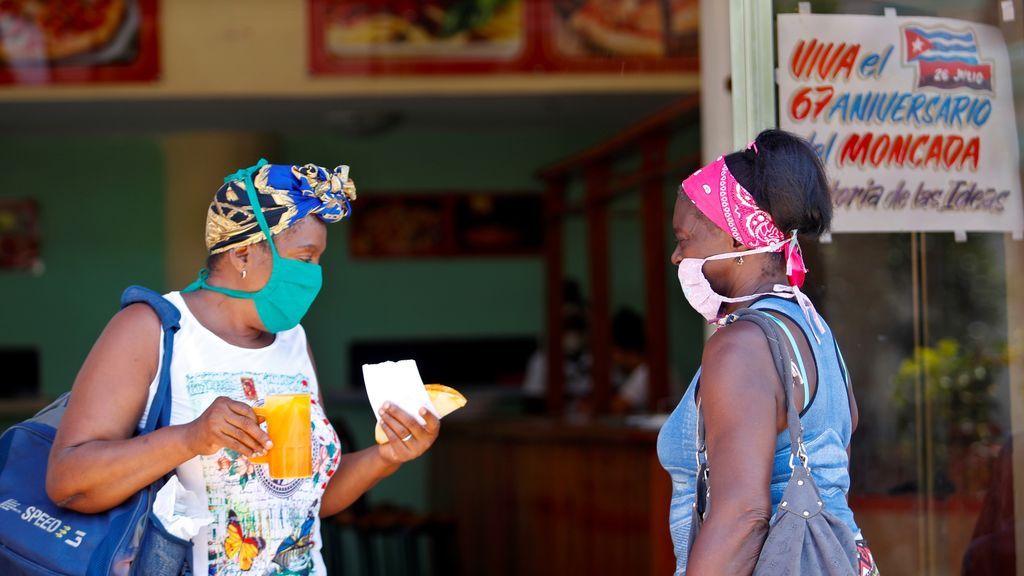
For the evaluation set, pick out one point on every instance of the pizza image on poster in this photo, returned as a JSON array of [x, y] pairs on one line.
[[625, 29], [502, 36], [491, 29], [93, 40]]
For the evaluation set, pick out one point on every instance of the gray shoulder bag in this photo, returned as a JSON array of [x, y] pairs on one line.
[[803, 537]]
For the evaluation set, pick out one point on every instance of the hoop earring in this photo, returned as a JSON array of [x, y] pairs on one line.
[[243, 273]]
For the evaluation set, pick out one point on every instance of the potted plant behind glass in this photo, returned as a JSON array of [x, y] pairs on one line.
[[961, 385]]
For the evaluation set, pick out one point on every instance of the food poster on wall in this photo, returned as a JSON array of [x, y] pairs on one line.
[[913, 118], [19, 235], [494, 36], [385, 36], [631, 34], [449, 225], [80, 41], [401, 226]]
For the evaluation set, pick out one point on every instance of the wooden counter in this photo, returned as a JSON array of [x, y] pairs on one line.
[[543, 497]]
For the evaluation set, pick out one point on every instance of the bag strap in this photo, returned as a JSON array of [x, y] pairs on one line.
[[799, 359], [700, 503], [784, 368], [170, 322], [787, 376]]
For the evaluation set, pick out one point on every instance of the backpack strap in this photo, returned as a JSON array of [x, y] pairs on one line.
[[170, 322]]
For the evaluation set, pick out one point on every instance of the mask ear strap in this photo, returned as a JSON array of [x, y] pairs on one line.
[[809, 312], [806, 306], [245, 174], [770, 248]]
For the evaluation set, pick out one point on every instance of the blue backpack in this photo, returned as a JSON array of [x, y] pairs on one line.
[[39, 537]]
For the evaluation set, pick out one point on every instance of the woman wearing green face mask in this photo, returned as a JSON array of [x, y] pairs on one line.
[[240, 341]]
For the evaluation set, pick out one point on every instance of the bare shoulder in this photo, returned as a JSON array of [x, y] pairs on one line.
[[132, 333], [737, 347], [112, 387], [737, 369], [134, 317]]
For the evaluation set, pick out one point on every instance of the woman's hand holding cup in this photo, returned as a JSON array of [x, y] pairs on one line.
[[227, 424]]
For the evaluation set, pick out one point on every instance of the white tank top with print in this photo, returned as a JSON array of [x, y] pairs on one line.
[[261, 526]]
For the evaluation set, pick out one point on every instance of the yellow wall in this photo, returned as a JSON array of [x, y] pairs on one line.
[[195, 163], [257, 48]]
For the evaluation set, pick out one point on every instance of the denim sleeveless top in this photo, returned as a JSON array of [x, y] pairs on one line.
[[827, 428]]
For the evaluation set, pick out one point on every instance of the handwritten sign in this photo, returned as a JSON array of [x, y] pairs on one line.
[[912, 117]]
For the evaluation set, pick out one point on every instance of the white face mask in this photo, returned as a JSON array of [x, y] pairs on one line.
[[703, 298]]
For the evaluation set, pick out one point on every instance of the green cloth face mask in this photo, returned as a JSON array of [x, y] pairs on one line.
[[293, 284]]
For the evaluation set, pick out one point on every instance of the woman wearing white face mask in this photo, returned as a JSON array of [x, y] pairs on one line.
[[736, 223]]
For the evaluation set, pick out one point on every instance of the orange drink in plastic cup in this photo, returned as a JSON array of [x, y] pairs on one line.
[[289, 427]]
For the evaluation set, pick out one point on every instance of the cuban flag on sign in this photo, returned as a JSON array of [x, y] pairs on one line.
[[946, 60]]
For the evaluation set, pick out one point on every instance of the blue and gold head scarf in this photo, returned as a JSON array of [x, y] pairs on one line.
[[286, 195]]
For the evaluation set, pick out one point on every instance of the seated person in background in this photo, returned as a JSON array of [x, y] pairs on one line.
[[629, 362], [575, 345]]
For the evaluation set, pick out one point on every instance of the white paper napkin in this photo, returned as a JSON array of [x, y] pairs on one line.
[[180, 510], [398, 383]]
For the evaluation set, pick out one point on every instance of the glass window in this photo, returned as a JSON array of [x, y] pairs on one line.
[[931, 328]]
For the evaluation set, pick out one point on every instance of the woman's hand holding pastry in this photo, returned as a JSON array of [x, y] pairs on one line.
[[407, 438]]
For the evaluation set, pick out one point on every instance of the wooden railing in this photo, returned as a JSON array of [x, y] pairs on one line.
[[650, 138]]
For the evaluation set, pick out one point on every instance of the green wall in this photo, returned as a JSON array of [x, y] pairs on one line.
[[424, 297], [421, 298], [686, 327], [102, 229], [101, 200]]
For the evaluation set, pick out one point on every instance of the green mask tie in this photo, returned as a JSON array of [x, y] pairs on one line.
[[293, 284]]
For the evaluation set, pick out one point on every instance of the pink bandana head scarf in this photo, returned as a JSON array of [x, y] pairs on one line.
[[719, 197]]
